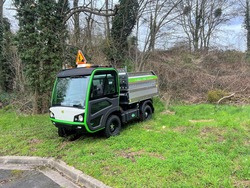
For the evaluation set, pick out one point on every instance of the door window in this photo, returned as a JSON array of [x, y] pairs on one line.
[[103, 85]]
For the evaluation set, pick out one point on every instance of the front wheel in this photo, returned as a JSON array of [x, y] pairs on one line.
[[146, 113], [113, 126]]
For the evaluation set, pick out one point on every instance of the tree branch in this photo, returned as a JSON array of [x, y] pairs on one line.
[[95, 11]]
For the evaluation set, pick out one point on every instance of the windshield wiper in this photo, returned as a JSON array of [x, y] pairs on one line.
[[78, 105], [59, 104]]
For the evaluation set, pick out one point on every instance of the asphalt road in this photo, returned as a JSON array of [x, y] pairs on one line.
[[42, 172], [25, 179], [30, 176]]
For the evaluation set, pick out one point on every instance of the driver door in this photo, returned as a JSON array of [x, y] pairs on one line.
[[103, 100]]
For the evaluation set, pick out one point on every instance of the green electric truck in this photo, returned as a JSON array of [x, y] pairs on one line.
[[92, 98]]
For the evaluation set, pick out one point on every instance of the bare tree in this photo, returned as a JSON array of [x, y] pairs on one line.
[[162, 13], [16, 69], [201, 18], [89, 20], [247, 25], [107, 19], [89, 27], [246, 12], [140, 55], [153, 19]]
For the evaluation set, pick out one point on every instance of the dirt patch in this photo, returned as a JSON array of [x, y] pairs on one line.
[[148, 127], [111, 171], [247, 142], [156, 155], [218, 133], [131, 155], [242, 183], [63, 145], [168, 112], [180, 129], [201, 120], [34, 141]]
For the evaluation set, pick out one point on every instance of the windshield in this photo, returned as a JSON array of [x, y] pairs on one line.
[[70, 91]]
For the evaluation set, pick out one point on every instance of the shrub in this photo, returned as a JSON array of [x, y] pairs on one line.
[[214, 96]]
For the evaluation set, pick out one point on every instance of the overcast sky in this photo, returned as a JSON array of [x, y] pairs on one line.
[[232, 35]]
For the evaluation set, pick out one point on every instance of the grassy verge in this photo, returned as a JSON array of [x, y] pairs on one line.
[[184, 146]]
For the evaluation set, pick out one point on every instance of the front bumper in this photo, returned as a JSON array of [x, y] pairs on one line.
[[68, 125]]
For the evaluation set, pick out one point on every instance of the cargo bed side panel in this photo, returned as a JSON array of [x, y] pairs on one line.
[[142, 88]]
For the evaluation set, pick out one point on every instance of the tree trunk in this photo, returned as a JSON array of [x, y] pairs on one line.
[[247, 25], [35, 102], [107, 20], [196, 35], [76, 25], [153, 32], [88, 47]]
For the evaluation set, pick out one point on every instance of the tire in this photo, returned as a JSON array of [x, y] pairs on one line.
[[113, 126], [62, 132], [146, 113]]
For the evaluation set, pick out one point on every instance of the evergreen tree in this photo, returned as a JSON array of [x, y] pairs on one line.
[[122, 26], [8, 73], [1, 46], [51, 41], [40, 42]]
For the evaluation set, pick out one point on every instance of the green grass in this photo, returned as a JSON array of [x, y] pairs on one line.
[[184, 146]]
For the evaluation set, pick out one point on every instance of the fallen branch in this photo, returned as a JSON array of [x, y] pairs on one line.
[[225, 97], [229, 96]]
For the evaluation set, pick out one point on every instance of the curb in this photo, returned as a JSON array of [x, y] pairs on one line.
[[73, 174]]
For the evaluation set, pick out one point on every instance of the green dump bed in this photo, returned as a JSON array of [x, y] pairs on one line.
[[137, 86]]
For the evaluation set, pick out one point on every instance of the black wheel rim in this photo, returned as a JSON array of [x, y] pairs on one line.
[[147, 113], [113, 126]]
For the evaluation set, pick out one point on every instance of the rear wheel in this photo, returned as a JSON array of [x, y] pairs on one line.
[[146, 113], [113, 126]]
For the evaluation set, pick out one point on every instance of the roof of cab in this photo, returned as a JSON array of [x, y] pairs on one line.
[[75, 72], [83, 71]]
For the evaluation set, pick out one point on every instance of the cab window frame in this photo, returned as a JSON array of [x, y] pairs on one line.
[[102, 81]]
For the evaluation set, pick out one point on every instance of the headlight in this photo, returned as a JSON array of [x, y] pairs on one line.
[[79, 118], [52, 115]]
